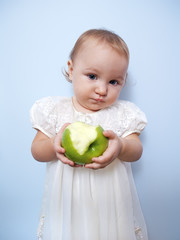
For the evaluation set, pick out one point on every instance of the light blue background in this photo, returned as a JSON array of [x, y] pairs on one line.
[[35, 40]]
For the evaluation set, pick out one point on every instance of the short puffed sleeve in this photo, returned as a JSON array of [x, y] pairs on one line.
[[133, 119], [43, 116]]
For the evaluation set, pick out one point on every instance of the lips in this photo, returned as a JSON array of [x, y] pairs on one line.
[[99, 99]]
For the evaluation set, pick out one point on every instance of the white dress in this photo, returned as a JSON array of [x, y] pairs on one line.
[[86, 204]]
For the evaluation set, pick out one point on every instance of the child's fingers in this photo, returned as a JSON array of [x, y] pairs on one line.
[[109, 134], [60, 133], [110, 153], [64, 126], [105, 158], [64, 159], [94, 166], [57, 139], [98, 162], [59, 149]]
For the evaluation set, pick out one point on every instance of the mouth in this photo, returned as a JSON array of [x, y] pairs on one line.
[[99, 100]]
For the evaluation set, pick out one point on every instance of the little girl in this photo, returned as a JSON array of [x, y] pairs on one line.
[[80, 203]]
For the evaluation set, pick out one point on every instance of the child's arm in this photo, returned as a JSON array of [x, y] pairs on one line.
[[128, 149], [42, 148]]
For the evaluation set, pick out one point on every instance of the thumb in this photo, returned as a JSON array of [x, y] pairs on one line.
[[109, 134], [57, 140], [64, 126]]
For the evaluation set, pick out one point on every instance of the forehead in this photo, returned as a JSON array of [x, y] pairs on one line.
[[92, 44], [100, 57]]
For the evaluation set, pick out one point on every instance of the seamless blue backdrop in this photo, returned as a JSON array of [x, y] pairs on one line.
[[35, 40]]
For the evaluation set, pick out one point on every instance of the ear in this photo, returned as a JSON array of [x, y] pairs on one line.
[[70, 69]]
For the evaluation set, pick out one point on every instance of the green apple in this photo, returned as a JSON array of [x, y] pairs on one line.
[[82, 142]]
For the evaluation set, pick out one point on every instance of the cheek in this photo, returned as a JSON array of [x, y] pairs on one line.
[[114, 95], [79, 91], [115, 92], [82, 86]]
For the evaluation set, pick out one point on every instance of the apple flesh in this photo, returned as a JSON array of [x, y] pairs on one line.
[[82, 142]]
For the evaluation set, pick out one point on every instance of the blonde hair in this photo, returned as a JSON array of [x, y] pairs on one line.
[[101, 35]]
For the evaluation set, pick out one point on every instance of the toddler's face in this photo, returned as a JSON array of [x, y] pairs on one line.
[[98, 74]]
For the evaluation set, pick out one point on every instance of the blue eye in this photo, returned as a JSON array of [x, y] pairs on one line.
[[113, 82], [92, 76]]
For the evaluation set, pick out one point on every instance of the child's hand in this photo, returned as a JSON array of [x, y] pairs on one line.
[[60, 150], [112, 152]]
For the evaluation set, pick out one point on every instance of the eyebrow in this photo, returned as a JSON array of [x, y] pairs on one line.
[[120, 77], [91, 69]]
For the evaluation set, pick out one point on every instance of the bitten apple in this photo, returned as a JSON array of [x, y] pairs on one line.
[[82, 142]]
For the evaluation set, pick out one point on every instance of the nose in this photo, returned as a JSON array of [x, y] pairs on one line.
[[101, 88]]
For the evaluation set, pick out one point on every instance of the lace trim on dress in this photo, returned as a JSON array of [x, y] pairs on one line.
[[40, 228], [139, 234]]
